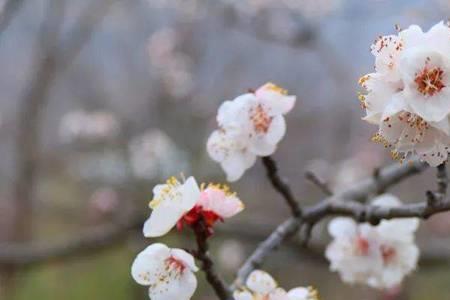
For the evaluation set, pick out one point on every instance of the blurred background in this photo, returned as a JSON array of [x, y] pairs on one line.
[[102, 99]]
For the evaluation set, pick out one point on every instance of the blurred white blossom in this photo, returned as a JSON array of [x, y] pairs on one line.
[[378, 256], [250, 125], [409, 93], [86, 126], [173, 66], [107, 167], [260, 285], [103, 201], [154, 155], [169, 273], [231, 262]]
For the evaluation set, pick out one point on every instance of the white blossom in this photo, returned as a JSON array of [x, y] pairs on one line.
[[250, 125], [169, 273], [260, 285], [79, 125], [177, 204], [171, 201], [409, 93], [378, 256], [154, 155]]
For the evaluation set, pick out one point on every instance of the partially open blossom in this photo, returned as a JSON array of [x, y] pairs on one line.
[[169, 273], [260, 285], [176, 203], [250, 125], [215, 203], [409, 94], [171, 201], [378, 256]]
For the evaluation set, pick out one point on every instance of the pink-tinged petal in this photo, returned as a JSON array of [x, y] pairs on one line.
[[186, 258], [215, 200], [275, 101]]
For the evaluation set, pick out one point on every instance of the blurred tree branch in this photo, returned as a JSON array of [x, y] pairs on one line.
[[10, 8]]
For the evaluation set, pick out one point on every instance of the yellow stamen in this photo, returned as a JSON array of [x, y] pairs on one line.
[[169, 191], [275, 88]]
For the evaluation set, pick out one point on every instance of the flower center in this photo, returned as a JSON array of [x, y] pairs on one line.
[[173, 264], [361, 246], [388, 253], [430, 81], [261, 120]]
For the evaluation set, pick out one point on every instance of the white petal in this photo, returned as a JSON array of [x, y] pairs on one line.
[[190, 192], [342, 227], [236, 164], [278, 294], [277, 102], [299, 293], [186, 258], [216, 146], [412, 36], [178, 288], [242, 295], [277, 130], [163, 219], [147, 262], [261, 282]]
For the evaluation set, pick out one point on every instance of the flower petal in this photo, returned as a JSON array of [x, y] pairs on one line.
[[261, 282], [148, 262]]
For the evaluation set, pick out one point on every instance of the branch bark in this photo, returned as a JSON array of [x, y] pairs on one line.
[[280, 185], [218, 284]]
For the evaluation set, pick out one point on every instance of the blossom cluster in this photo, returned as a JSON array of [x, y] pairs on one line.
[[251, 125], [169, 272], [379, 256], [260, 285], [408, 95]]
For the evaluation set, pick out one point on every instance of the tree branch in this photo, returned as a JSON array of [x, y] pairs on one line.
[[339, 204], [280, 185], [219, 286]]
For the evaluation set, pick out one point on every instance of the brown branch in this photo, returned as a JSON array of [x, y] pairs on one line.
[[340, 204], [280, 185], [275, 239], [218, 284]]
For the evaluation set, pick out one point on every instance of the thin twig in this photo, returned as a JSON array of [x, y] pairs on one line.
[[322, 185], [218, 284], [275, 239], [280, 185]]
